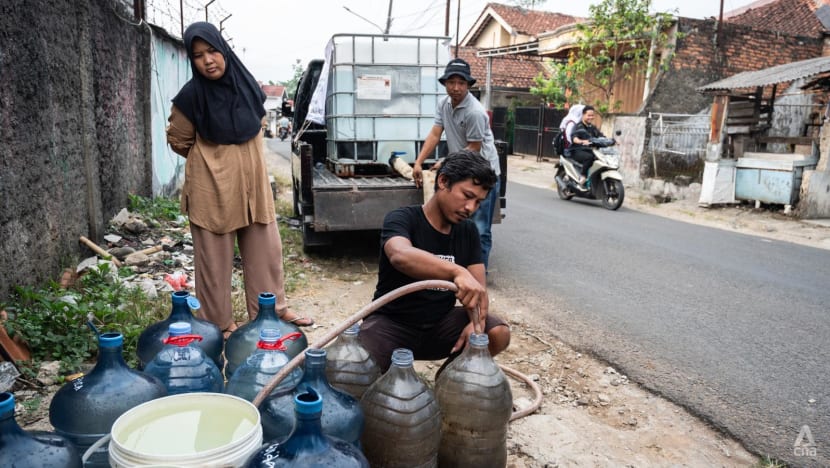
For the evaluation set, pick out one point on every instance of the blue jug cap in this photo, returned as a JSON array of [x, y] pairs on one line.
[[110, 340], [269, 334], [193, 303], [308, 402], [267, 299], [352, 330], [179, 328], [398, 153], [180, 297], [6, 402]]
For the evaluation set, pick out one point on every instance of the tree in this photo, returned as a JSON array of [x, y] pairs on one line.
[[560, 89], [615, 44], [291, 85]]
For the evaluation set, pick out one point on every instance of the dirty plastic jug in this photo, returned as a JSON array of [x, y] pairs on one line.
[[260, 367], [476, 405], [242, 342], [349, 366], [151, 339], [84, 409], [403, 420], [307, 444], [183, 367], [342, 416], [24, 449]]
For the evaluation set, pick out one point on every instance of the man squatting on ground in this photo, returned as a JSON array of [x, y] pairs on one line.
[[436, 240]]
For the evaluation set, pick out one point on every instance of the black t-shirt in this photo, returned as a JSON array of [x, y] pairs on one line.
[[461, 246], [584, 132]]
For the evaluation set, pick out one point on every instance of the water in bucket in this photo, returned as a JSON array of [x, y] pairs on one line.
[[307, 444], [190, 430], [84, 409], [342, 416], [24, 449], [260, 367], [349, 366], [183, 367], [403, 421], [151, 339], [242, 342], [476, 405]]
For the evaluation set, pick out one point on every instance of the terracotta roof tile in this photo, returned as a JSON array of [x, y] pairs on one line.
[[515, 71], [793, 17], [273, 90], [531, 22]]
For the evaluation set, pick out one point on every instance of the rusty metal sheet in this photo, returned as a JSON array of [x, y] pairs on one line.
[[770, 76]]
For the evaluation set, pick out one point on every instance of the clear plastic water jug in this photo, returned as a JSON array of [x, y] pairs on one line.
[[307, 445], [260, 367], [476, 404], [151, 339], [242, 342], [342, 416], [24, 449], [403, 420], [84, 409], [183, 367], [349, 366]]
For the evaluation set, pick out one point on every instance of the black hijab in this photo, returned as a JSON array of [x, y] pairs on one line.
[[225, 111]]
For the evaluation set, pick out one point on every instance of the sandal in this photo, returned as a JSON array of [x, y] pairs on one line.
[[227, 332], [298, 321]]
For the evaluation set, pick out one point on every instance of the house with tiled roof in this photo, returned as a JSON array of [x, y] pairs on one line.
[[511, 76], [809, 18], [275, 95], [503, 25]]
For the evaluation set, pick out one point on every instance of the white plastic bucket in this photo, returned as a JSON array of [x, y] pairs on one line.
[[187, 430]]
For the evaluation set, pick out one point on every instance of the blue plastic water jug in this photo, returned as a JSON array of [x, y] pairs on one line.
[[242, 342], [342, 416], [349, 366], [476, 405], [403, 420], [307, 445], [23, 449], [183, 367], [84, 409], [260, 367], [151, 339]]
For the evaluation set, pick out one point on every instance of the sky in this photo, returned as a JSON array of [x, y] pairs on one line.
[[270, 35]]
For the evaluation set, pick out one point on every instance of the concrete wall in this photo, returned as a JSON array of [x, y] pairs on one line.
[[170, 71], [630, 143], [74, 127]]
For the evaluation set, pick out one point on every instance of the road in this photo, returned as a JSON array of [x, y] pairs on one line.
[[731, 326]]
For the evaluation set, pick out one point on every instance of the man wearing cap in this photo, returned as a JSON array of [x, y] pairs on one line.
[[467, 127]]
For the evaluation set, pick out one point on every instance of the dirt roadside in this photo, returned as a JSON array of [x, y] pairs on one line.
[[591, 415]]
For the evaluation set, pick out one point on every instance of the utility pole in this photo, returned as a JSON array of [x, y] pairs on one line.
[[206, 9], [720, 26], [447, 20], [388, 19], [457, 27]]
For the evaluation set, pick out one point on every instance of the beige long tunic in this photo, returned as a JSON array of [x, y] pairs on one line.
[[225, 186]]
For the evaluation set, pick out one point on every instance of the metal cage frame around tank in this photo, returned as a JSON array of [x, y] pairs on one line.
[[365, 131]]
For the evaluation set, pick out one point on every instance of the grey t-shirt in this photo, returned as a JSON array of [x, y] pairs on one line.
[[467, 122]]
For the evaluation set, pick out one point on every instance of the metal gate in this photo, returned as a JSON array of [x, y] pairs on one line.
[[535, 130], [677, 143]]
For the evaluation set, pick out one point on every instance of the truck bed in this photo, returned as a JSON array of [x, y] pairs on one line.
[[325, 180]]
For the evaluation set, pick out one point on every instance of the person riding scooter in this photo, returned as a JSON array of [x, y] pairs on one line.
[[580, 150]]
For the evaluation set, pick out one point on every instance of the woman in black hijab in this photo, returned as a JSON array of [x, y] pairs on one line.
[[216, 123]]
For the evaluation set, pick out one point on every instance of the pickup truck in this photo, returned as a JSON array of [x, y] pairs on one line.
[[373, 96]]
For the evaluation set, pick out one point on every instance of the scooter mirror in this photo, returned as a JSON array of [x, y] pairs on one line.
[[618, 132]]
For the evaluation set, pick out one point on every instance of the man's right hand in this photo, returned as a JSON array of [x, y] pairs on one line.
[[471, 293]]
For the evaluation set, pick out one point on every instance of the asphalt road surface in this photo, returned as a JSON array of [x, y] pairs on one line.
[[733, 327]]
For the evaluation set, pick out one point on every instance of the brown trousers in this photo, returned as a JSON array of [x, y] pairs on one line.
[[261, 249]]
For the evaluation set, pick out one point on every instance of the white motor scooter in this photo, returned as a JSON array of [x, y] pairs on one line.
[[604, 180]]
